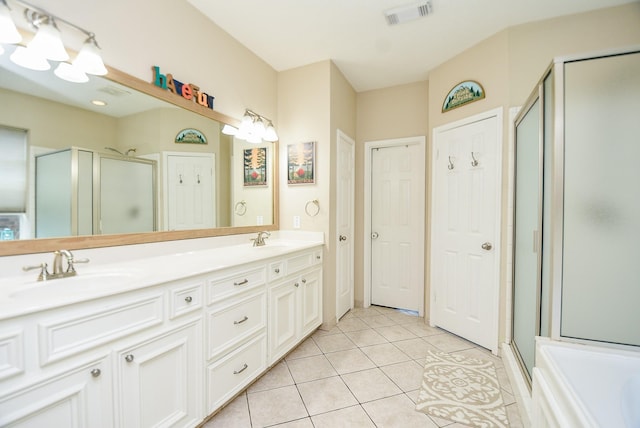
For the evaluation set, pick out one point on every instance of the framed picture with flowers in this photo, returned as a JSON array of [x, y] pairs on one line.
[[255, 166], [301, 162]]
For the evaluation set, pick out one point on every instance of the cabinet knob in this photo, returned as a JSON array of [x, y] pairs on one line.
[[277, 270], [128, 358], [296, 284], [304, 281], [318, 257], [188, 299], [96, 372]]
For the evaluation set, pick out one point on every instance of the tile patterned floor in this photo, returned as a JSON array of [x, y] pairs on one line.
[[366, 372]]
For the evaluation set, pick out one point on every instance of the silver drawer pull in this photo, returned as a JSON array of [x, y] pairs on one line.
[[244, 367], [277, 270], [128, 358], [188, 299], [241, 321], [243, 282], [95, 372]]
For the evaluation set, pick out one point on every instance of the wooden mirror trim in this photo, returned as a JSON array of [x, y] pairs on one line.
[[45, 245]]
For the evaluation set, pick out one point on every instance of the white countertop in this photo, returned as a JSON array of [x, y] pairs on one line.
[[22, 294]]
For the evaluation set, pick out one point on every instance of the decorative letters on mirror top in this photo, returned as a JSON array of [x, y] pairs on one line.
[[20, 89]]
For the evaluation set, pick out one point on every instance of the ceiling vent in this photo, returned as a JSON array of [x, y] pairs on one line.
[[113, 90], [402, 14]]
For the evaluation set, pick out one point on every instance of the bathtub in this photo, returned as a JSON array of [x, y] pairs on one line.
[[585, 386]]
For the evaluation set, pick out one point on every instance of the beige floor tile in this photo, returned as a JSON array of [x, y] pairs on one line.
[[407, 375], [320, 332], [421, 329], [310, 368], [352, 324], [326, 395], [277, 377], [308, 348], [334, 343], [397, 412], [300, 423], [349, 361], [369, 385], [351, 417], [402, 318], [385, 354], [514, 416], [365, 312], [416, 348], [378, 321], [366, 337], [276, 406], [449, 343], [393, 333], [234, 415], [385, 310]]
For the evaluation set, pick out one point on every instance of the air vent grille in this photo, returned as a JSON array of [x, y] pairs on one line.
[[402, 14]]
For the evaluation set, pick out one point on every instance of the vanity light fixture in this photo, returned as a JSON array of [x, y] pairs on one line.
[[47, 44], [254, 128]]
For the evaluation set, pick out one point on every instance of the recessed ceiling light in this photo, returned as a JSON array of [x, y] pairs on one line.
[[98, 103]]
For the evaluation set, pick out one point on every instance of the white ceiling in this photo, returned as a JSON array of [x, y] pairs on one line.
[[354, 33]]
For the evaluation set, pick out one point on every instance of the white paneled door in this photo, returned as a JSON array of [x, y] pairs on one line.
[[345, 224], [190, 195], [397, 224], [466, 228]]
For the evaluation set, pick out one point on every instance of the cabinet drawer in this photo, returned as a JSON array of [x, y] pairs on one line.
[[234, 323], [60, 337], [230, 374], [11, 354], [237, 282], [299, 262], [276, 270], [185, 299]]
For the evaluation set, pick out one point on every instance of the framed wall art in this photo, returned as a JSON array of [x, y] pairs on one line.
[[301, 162], [255, 166]]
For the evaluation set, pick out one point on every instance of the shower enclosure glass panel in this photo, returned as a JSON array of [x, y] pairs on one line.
[[526, 235], [601, 268]]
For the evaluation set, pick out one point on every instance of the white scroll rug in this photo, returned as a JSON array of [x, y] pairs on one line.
[[463, 390]]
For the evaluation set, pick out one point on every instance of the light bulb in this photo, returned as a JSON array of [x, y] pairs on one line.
[[8, 32], [89, 59], [26, 58], [258, 127], [47, 42]]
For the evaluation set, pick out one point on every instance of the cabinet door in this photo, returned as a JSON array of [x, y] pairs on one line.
[[160, 380], [310, 301], [283, 320], [80, 397]]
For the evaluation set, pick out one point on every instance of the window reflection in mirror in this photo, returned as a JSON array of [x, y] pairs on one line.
[[198, 186]]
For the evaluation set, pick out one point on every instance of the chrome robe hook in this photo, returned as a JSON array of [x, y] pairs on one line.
[[474, 162]]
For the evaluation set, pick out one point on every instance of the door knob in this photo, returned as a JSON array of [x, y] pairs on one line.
[[342, 238], [487, 246], [374, 235]]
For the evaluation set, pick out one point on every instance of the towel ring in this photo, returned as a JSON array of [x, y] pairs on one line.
[[240, 208], [316, 209]]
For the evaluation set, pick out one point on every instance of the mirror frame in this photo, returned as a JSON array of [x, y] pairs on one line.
[[45, 245]]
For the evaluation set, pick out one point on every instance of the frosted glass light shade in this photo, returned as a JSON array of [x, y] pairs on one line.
[[8, 31], [229, 130], [70, 73], [26, 58], [48, 43], [89, 59], [270, 134]]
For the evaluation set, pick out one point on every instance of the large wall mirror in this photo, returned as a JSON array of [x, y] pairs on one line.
[[50, 128]]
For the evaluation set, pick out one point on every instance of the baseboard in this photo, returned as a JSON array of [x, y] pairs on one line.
[[521, 390]]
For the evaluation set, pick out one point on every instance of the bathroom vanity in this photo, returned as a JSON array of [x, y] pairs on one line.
[[158, 341]]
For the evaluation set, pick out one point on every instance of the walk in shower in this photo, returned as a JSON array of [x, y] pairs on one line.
[[576, 260]]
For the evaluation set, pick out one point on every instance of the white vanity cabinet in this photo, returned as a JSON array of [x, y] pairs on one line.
[[167, 353], [295, 302]]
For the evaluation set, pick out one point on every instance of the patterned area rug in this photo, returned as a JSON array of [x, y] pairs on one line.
[[460, 389]]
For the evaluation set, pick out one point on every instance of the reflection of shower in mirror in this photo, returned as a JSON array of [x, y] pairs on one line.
[[131, 150]]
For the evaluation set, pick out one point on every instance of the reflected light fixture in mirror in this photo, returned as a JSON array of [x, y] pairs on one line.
[[47, 44], [253, 129]]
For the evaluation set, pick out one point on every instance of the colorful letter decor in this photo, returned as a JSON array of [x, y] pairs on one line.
[[188, 91]]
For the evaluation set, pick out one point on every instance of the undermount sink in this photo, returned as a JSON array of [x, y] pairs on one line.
[[24, 287]]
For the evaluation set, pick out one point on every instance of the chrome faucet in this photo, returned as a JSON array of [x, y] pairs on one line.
[[259, 240], [58, 271]]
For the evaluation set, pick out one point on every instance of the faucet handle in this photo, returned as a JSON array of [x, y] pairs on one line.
[[44, 273], [72, 262]]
